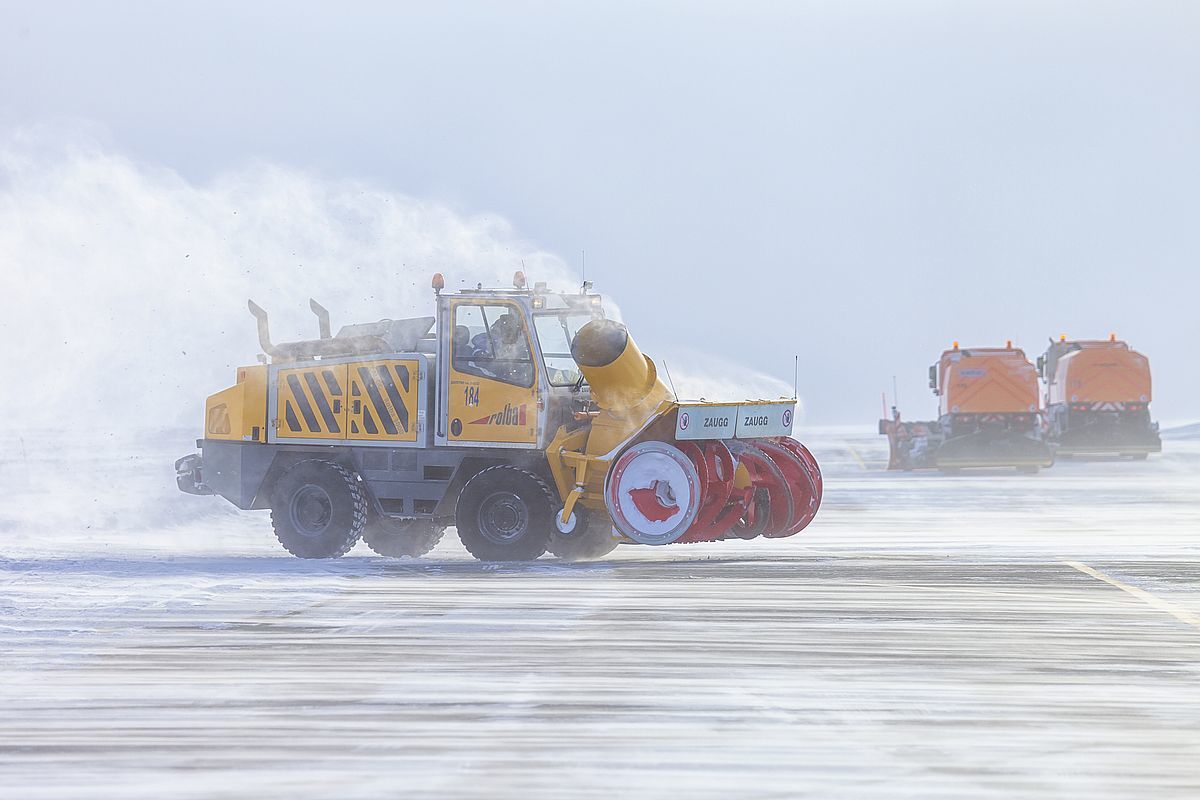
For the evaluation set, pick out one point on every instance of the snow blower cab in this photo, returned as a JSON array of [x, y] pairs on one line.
[[988, 415], [523, 417], [1098, 398]]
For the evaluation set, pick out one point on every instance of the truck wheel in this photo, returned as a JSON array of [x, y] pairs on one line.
[[592, 538], [505, 514], [397, 538], [318, 510]]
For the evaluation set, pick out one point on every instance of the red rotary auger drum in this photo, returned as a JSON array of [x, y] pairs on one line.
[[703, 491]]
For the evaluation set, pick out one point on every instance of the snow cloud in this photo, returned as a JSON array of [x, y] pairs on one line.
[[123, 285]]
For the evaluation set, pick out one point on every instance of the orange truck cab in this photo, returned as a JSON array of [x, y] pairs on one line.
[[988, 415], [1098, 395]]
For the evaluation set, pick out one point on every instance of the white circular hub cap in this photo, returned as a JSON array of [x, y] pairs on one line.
[[568, 526], [653, 493]]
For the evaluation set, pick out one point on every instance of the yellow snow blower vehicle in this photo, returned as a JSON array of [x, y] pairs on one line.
[[523, 417]]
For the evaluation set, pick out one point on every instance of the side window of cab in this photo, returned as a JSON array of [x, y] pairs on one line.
[[491, 341]]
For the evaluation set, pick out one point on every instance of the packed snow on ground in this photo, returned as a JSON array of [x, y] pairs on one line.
[[982, 635]]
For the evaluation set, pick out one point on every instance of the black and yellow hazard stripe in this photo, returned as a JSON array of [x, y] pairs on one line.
[[383, 400], [311, 402]]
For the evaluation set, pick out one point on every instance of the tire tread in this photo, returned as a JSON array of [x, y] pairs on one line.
[[359, 518], [483, 550]]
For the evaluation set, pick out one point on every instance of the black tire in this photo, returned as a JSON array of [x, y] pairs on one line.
[[592, 539], [318, 510], [400, 538], [505, 514]]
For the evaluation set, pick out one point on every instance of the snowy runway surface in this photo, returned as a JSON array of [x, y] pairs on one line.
[[984, 635]]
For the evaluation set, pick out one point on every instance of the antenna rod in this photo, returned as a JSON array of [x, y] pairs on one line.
[[667, 370], [796, 378], [895, 393]]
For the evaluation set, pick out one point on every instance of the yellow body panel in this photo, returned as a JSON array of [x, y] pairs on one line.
[[311, 402], [384, 397], [488, 410], [239, 413]]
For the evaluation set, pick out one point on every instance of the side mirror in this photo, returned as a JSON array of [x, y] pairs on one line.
[[1041, 364], [933, 376]]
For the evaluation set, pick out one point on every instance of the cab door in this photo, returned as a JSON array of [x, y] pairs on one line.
[[310, 402], [491, 376]]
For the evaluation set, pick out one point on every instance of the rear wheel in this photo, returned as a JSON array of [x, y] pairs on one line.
[[591, 538], [400, 538], [318, 510], [505, 514]]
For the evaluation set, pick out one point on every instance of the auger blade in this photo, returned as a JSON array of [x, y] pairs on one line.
[[805, 491], [767, 475], [722, 505]]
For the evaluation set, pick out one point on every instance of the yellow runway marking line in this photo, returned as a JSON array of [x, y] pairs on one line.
[[1181, 614], [857, 457]]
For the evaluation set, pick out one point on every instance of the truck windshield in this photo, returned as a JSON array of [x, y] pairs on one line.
[[555, 332]]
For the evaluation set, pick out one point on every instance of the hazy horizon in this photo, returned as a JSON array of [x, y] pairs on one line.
[[857, 184]]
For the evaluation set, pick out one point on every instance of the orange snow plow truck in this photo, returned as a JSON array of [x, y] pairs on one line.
[[987, 415], [1098, 398]]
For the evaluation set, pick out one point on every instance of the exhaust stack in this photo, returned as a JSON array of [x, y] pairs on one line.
[[264, 331]]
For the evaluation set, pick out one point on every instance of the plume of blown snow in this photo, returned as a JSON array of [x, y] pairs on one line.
[[698, 376], [123, 285]]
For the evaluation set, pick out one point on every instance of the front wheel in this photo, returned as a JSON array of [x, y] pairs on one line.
[[592, 536], [318, 510], [505, 514]]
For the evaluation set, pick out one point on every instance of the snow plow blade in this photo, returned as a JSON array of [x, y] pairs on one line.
[[1111, 439], [984, 449]]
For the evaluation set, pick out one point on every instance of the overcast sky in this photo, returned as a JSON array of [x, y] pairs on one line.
[[856, 183]]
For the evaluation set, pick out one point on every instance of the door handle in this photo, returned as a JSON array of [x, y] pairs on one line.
[[356, 407], [337, 406]]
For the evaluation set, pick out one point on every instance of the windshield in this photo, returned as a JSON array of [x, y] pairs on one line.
[[555, 333]]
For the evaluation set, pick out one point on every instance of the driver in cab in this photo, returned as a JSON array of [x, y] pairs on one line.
[[510, 360]]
